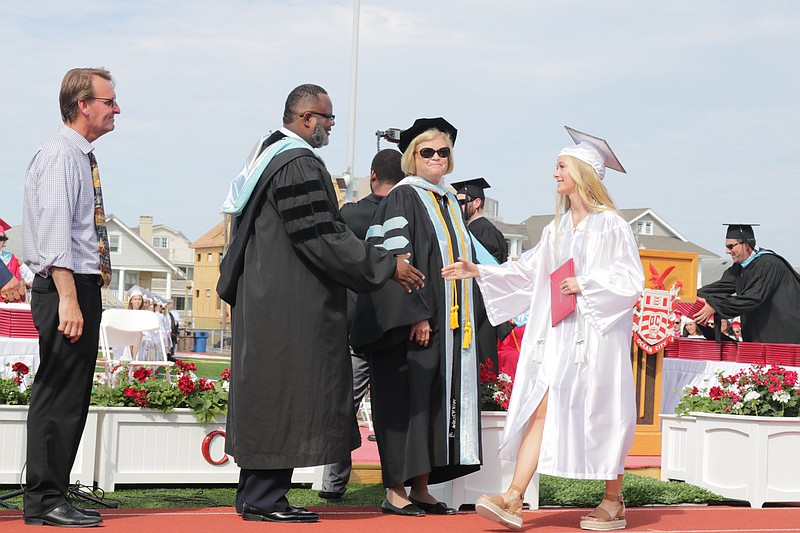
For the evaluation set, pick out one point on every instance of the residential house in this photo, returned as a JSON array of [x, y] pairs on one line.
[[175, 247], [135, 262], [208, 310]]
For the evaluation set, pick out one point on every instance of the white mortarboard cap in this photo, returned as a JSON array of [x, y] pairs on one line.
[[593, 151], [135, 292]]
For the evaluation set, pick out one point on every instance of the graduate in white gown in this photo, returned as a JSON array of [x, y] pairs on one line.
[[572, 412]]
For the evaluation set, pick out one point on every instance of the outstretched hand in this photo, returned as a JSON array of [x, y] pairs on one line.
[[461, 269], [702, 316], [13, 291], [406, 275]]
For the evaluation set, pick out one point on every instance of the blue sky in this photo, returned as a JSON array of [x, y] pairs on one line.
[[698, 98]]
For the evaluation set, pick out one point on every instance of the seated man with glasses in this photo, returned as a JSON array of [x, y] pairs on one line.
[[761, 287]]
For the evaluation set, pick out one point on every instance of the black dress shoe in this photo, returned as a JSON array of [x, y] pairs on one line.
[[408, 510], [64, 515], [434, 508], [290, 514], [330, 495], [87, 512], [372, 438]]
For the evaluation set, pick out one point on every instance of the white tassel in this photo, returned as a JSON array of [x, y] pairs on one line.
[[538, 351], [580, 352]]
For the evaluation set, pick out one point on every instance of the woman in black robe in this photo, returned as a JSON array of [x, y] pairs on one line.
[[422, 347]]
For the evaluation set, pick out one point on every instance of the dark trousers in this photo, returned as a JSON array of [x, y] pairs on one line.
[[336, 476], [264, 489], [61, 392]]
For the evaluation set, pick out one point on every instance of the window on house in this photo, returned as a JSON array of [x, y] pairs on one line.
[[199, 258], [644, 227], [160, 242], [180, 303], [114, 243], [197, 293], [208, 293], [210, 257]]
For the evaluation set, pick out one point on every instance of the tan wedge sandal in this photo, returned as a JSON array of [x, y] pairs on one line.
[[496, 509], [602, 520]]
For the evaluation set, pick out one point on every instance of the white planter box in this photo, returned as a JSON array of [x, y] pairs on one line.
[[145, 446], [749, 458], [13, 440], [495, 475]]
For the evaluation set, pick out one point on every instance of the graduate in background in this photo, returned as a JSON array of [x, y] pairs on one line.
[[761, 287], [572, 412]]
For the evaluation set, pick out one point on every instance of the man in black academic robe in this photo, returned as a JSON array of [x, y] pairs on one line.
[[285, 275], [761, 287], [472, 198]]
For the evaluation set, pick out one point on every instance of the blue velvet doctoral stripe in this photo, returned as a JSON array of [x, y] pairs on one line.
[[469, 413]]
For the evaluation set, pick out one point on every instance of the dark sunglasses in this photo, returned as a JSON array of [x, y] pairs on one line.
[[464, 201], [427, 153], [3, 238], [730, 246]]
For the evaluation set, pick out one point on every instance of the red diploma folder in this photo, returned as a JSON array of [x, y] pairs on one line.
[[561, 305]]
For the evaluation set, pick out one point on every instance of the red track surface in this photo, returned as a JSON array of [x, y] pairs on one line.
[[369, 520]]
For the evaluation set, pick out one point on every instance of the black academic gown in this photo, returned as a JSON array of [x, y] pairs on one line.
[[488, 335], [765, 294], [290, 260], [490, 237], [409, 403]]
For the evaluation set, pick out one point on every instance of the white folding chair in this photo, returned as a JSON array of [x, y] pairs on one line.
[[122, 328]]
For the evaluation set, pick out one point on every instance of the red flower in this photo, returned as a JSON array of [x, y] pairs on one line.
[[20, 368], [130, 392], [185, 367], [142, 374], [17, 380], [140, 397], [715, 393], [186, 385], [206, 384], [226, 374]]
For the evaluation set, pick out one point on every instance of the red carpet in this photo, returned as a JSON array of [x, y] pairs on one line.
[[368, 520]]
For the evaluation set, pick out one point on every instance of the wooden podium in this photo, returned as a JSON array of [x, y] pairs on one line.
[[647, 381]]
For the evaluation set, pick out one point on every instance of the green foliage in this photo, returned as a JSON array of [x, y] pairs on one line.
[[553, 492], [757, 391], [145, 388]]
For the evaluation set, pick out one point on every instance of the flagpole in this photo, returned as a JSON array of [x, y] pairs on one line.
[[351, 127]]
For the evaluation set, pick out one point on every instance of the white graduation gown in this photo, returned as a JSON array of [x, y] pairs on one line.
[[591, 411]]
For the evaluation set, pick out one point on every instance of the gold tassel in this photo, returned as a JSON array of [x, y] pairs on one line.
[[454, 317], [467, 336]]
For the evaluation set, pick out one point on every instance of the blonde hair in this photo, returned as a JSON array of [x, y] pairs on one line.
[[409, 163], [590, 188]]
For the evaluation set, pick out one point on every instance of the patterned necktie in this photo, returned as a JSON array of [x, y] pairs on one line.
[[100, 224]]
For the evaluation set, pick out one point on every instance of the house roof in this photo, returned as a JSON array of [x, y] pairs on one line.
[[163, 227], [146, 246], [675, 242], [214, 238]]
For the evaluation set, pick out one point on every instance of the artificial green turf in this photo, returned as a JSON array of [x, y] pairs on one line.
[[553, 492]]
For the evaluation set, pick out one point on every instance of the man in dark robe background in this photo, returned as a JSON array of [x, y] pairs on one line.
[[761, 287], [385, 173], [285, 275], [472, 199]]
